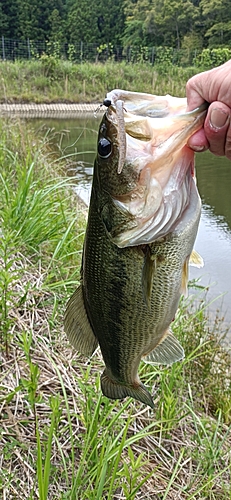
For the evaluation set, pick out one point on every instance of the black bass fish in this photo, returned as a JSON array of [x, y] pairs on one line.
[[142, 223]]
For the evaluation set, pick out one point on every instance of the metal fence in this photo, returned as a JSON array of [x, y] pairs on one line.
[[80, 52]]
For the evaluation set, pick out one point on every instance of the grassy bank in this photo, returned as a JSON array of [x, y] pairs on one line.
[[51, 80], [59, 437]]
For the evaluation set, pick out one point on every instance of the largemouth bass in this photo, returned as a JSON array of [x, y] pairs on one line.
[[142, 223]]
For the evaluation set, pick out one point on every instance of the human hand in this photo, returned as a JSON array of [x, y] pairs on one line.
[[213, 86]]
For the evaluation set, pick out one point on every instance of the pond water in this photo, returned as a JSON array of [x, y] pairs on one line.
[[78, 139]]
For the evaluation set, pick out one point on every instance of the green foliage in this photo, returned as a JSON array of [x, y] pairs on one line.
[[56, 28], [9, 276], [71, 52], [217, 21], [10, 20], [91, 22], [49, 64], [30, 384], [44, 464], [25, 210], [48, 79], [159, 23], [57, 429], [210, 58], [53, 50], [41, 20], [164, 55], [105, 51], [139, 23]]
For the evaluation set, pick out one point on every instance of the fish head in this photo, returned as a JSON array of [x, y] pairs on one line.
[[144, 166], [109, 152]]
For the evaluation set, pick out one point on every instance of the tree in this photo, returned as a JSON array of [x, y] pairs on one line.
[[158, 22], [92, 22], [82, 21], [217, 18], [10, 24], [56, 27], [35, 18], [176, 18], [136, 27], [3, 21]]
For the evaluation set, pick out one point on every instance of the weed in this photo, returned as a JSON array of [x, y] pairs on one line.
[[60, 438], [45, 80]]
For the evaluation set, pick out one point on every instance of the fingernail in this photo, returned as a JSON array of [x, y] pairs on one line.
[[198, 149], [218, 118]]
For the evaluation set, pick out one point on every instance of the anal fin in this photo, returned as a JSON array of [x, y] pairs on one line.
[[114, 390], [166, 352], [77, 325]]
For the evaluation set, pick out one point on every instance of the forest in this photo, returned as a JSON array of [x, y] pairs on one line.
[[180, 24]]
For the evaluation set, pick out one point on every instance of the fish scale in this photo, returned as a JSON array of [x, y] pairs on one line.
[[129, 294]]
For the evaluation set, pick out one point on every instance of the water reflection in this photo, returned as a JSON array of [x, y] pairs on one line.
[[214, 244], [214, 182], [214, 235], [75, 139], [78, 141]]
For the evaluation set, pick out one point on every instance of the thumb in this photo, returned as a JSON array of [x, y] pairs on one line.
[[196, 90]]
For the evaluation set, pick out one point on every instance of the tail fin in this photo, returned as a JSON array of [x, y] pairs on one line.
[[114, 390]]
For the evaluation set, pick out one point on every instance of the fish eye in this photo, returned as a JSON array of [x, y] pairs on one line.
[[107, 103], [104, 148]]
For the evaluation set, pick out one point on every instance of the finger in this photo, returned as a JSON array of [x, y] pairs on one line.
[[228, 142], [216, 126], [198, 141], [210, 86], [196, 90]]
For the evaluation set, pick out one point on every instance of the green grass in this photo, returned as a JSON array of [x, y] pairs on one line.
[[51, 80], [60, 438]]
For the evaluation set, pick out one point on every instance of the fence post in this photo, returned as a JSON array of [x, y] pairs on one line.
[[129, 54], [3, 49], [28, 47]]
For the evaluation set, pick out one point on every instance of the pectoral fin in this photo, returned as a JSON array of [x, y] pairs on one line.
[[166, 352], [77, 325]]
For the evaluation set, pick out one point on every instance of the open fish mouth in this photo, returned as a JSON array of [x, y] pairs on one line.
[[152, 135]]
